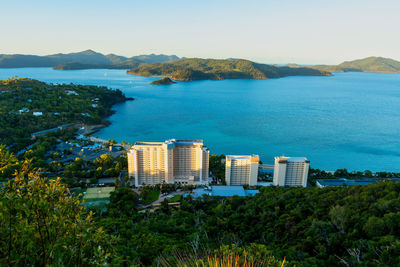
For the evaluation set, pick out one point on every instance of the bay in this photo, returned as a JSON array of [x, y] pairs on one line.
[[349, 120]]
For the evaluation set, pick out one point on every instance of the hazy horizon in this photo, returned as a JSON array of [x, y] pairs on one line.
[[311, 32]]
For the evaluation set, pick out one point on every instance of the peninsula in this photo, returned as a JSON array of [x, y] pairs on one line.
[[29, 106], [192, 69]]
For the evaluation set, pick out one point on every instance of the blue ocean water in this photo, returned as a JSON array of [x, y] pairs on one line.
[[349, 120]]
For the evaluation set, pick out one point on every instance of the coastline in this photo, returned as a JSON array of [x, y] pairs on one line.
[[92, 129]]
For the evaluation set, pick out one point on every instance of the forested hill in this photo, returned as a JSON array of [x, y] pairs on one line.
[[191, 69], [369, 64], [86, 59], [58, 104]]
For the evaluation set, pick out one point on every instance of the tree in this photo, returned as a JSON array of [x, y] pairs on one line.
[[374, 226], [165, 207], [217, 167], [8, 162], [341, 173], [122, 201], [368, 173], [339, 217], [105, 160], [42, 225]]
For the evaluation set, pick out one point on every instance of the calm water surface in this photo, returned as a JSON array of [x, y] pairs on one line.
[[350, 120]]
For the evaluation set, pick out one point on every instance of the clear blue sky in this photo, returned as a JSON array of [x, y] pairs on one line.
[[270, 31]]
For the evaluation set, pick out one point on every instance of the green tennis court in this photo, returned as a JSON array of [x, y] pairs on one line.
[[98, 192]]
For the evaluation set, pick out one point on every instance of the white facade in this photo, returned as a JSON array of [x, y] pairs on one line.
[[172, 161], [241, 170], [291, 171]]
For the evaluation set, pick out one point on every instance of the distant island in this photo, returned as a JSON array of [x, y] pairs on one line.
[[369, 64], [192, 69], [88, 59], [188, 69], [163, 81]]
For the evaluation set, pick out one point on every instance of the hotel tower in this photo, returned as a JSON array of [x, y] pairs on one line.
[[291, 171], [172, 161], [241, 170]]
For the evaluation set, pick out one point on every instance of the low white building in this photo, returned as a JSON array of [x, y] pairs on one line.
[[37, 113], [23, 110], [71, 92]]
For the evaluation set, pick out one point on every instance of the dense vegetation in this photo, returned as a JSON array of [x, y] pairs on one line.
[[163, 81], [343, 226], [59, 104], [41, 225], [337, 226], [369, 64], [86, 59], [213, 69]]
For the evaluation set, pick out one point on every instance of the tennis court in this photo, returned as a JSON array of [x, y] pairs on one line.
[[98, 192]]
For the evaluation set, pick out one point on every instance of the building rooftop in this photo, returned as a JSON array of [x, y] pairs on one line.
[[297, 159], [172, 143], [246, 157], [291, 159], [228, 191], [148, 143], [348, 182], [223, 191]]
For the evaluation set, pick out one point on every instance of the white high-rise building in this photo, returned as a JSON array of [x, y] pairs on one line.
[[241, 170], [291, 171], [172, 161]]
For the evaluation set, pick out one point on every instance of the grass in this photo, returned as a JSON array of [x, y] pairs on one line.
[[175, 198], [148, 195], [228, 259]]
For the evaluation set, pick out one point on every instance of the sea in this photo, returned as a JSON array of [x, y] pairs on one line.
[[349, 120]]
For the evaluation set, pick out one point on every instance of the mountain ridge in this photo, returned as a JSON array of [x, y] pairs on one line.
[[90, 58]]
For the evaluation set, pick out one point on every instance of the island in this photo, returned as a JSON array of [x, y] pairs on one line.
[[369, 64], [163, 81], [192, 69]]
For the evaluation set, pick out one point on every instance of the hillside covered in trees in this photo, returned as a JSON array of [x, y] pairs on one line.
[[192, 69], [28, 106], [337, 226], [369, 64], [87, 59]]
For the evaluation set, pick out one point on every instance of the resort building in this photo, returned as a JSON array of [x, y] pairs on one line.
[[223, 191], [291, 171], [172, 161], [241, 170]]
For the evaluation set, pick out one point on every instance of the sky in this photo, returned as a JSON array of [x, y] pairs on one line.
[[268, 31]]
